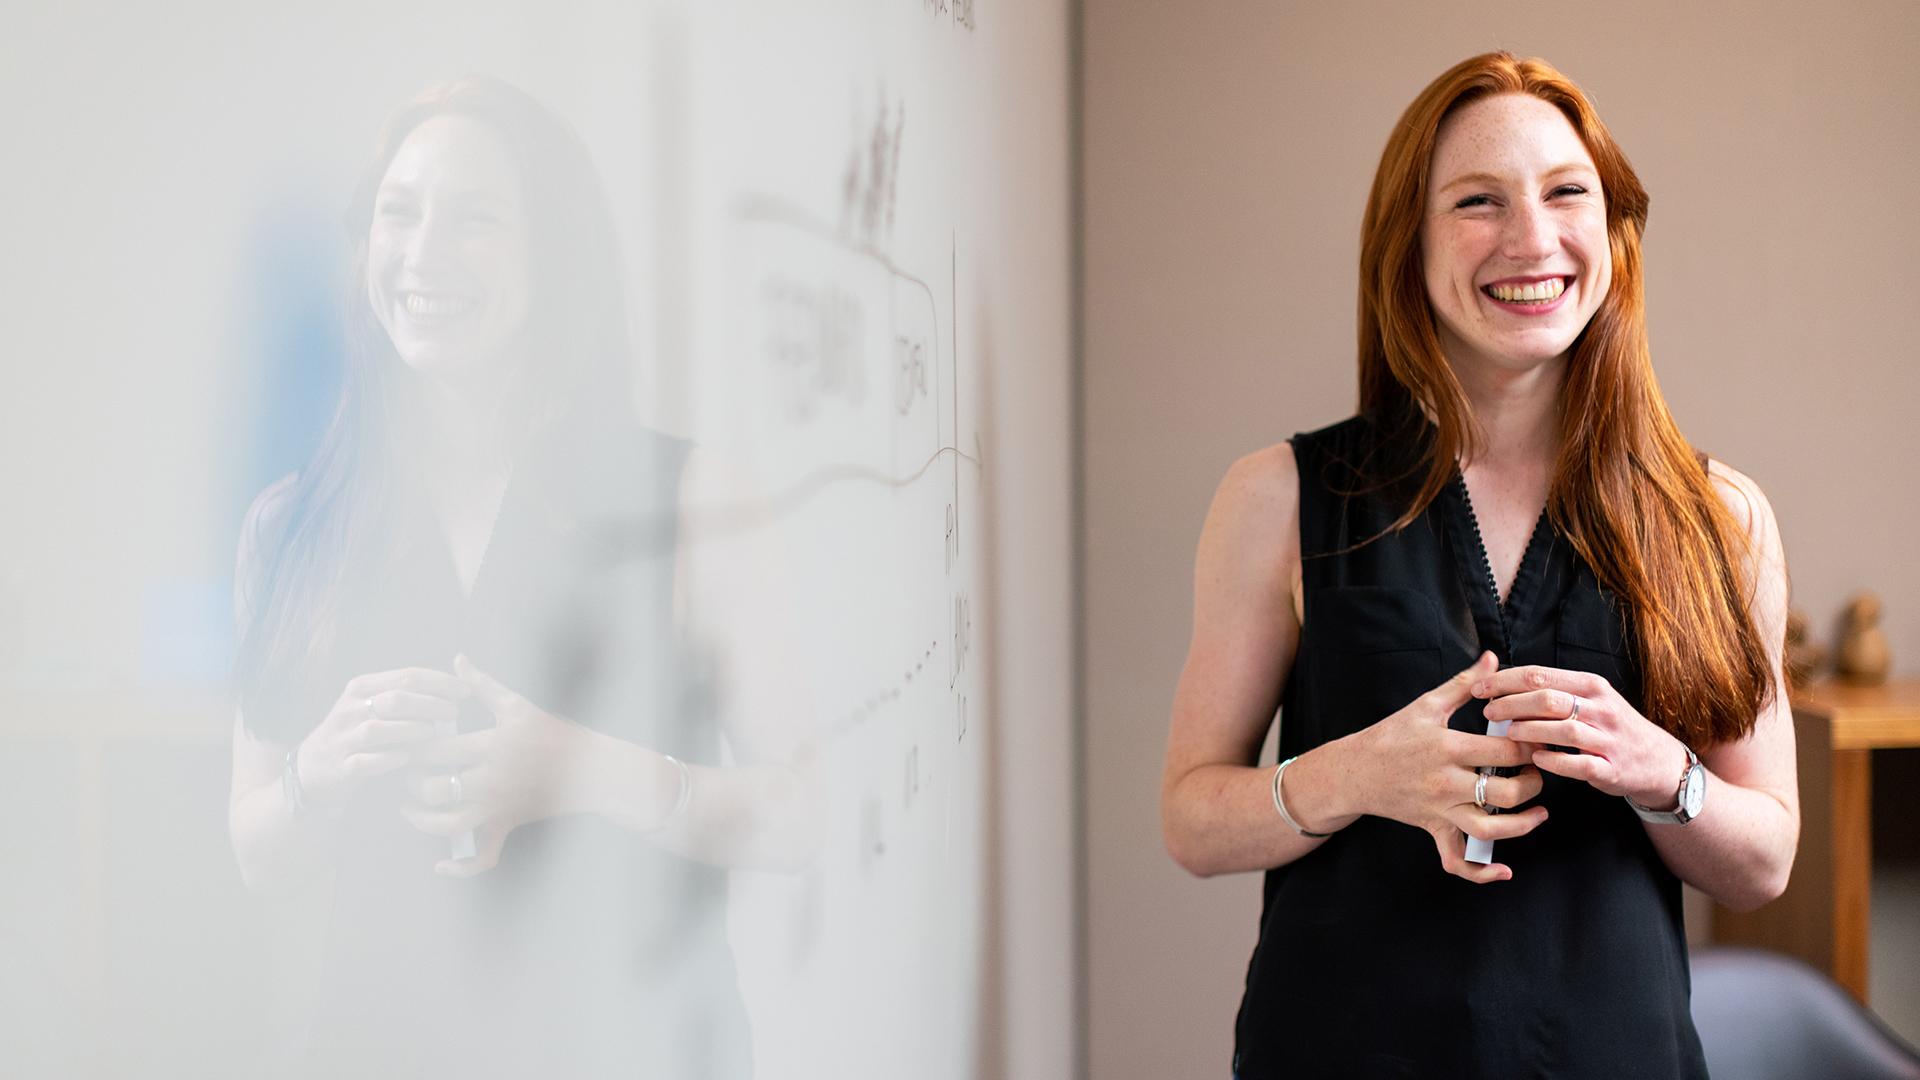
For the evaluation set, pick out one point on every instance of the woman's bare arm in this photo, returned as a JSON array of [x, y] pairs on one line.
[[277, 850], [1740, 850], [1216, 807], [764, 812]]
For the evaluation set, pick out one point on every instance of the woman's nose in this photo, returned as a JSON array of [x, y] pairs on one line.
[[429, 242], [1529, 235]]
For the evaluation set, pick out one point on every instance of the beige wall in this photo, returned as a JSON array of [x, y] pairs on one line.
[[1227, 151]]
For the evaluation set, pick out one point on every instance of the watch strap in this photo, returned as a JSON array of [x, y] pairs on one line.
[[1678, 815]]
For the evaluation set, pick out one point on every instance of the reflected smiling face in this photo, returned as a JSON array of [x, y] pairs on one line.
[[447, 271], [1515, 236]]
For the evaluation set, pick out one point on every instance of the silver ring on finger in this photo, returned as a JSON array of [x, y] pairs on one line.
[[1480, 792], [453, 790], [1575, 714], [371, 714]]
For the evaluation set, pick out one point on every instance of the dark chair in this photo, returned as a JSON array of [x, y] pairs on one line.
[[1764, 1016]]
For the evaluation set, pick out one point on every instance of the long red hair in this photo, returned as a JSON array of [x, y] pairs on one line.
[[1627, 491]]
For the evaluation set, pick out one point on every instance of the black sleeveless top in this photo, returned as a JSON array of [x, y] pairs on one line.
[[1373, 961]]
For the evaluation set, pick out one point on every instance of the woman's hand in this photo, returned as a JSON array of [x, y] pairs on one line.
[[376, 726], [527, 767], [1420, 772], [1621, 751]]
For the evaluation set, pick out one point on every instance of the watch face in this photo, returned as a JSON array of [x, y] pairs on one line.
[[1696, 792]]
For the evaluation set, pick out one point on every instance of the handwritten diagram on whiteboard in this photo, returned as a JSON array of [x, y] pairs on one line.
[[836, 380]]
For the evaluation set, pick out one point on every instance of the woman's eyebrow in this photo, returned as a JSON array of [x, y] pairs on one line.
[[1489, 178], [1470, 178], [478, 198], [474, 197]]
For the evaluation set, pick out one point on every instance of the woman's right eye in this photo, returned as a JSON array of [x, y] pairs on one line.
[[1472, 201], [394, 210]]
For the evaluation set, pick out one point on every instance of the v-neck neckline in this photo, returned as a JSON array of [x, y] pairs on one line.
[[492, 541], [436, 526], [1474, 563]]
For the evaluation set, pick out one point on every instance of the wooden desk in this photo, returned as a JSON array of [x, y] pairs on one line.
[[1823, 916]]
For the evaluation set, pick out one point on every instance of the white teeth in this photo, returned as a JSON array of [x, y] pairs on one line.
[[430, 306], [1538, 292]]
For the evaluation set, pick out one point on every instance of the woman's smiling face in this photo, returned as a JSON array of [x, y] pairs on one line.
[[447, 250], [1514, 242]]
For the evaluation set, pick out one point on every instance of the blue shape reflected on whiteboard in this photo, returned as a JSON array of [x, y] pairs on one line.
[[186, 633]]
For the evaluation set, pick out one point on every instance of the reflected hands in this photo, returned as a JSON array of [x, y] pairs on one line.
[[527, 767], [376, 726]]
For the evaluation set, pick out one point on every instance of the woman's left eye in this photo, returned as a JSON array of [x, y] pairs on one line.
[[1569, 189]]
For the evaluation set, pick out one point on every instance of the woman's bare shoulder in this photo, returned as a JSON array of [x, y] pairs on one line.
[[1251, 541], [270, 506], [1743, 497], [1735, 488], [1766, 558], [266, 516], [259, 532], [1264, 484]]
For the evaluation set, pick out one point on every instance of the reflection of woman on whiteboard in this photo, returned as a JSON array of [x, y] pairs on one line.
[[1511, 531], [461, 706]]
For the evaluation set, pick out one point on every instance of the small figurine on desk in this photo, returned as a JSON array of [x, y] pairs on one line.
[[1805, 657], [1863, 657]]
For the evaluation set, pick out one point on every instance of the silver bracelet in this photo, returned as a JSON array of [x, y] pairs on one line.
[[685, 796], [1282, 807], [290, 783]]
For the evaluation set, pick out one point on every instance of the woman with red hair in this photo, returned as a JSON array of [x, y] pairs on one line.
[[1507, 605]]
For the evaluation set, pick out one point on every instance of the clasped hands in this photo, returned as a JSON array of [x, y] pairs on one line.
[[529, 766], [1424, 774]]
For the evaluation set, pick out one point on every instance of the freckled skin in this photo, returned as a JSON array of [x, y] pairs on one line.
[[1539, 211]]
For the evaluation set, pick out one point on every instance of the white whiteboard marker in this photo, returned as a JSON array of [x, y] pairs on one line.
[[1478, 850], [464, 846]]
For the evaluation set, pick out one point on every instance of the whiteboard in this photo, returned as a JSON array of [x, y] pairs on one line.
[[847, 233]]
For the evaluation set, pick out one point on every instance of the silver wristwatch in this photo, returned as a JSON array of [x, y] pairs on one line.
[[1692, 795]]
